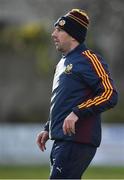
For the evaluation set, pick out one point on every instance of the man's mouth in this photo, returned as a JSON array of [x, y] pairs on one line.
[[56, 41]]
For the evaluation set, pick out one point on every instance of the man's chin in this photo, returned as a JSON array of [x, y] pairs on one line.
[[58, 48]]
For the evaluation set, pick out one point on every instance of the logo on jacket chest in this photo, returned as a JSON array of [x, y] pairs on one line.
[[61, 69], [68, 69]]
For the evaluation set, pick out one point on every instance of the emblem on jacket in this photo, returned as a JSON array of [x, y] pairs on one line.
[[68, 69]]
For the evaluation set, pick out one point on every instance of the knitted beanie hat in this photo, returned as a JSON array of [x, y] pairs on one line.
[[75, 23]]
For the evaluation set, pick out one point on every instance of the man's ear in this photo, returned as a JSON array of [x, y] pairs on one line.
[[74, 40]]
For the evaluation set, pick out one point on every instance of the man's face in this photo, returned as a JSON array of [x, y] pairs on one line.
[[62, 40]]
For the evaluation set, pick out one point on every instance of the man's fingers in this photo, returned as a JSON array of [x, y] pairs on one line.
[[41, 139], [38, 138], [41, 145], [69, 123], [64, 128], [73, 128], [68, 128]]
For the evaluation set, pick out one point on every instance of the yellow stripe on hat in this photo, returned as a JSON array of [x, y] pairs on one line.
[[105, 82], [81, 12], [78, 20]]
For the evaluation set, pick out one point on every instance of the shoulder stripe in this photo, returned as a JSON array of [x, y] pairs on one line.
[[108, 89]]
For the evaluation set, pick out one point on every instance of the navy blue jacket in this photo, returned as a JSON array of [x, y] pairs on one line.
[[82, 84]]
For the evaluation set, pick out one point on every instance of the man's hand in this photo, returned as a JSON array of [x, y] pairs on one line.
[[41, 140], [69, 123]]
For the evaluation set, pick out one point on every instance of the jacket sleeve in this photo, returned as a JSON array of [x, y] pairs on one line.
[[46, 127], [94, 72]]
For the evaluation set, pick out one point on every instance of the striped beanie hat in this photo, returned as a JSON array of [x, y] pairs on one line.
[[75, 23]]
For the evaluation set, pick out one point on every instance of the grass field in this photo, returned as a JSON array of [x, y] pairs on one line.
[[42, 172]]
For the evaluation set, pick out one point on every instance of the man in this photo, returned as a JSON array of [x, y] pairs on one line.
[[82, 90]]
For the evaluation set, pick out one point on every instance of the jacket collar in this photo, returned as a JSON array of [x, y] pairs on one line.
[[80, 48]]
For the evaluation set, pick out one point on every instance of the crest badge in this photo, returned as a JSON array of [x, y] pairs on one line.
[[62, 22], [68, 69]]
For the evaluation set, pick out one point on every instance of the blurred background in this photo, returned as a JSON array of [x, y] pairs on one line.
[[27, 62]]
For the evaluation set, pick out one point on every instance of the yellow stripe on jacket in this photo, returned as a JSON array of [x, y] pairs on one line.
[[108, 89]]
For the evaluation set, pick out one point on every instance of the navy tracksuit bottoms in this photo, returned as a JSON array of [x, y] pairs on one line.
[[70, 159]]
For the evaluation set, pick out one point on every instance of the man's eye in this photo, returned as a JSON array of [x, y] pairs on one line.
[[59, 29]]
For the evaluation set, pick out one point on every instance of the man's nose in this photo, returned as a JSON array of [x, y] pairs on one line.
[[54, 33]]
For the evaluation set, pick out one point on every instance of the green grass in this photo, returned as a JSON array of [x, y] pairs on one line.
[[24, 172], [42, 172], [104, 173]]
